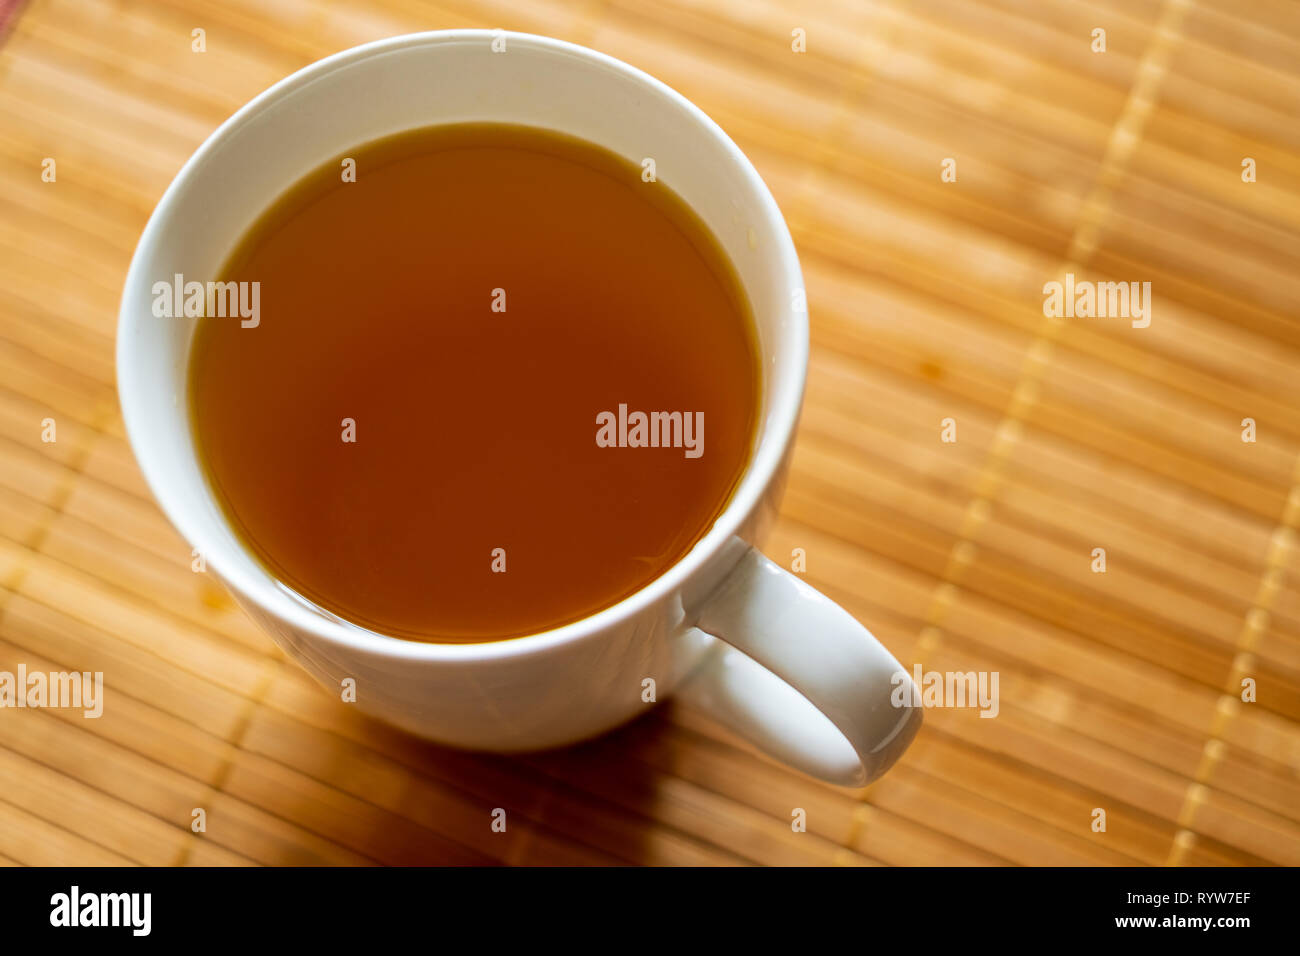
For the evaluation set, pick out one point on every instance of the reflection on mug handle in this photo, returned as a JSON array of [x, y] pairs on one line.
[[800, 678]]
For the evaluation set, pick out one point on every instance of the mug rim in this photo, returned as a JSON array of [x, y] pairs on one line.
[[757, 477]]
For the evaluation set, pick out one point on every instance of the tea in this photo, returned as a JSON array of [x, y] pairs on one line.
[[497, 381]]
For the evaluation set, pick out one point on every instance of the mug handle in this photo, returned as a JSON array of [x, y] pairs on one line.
[[799, 678]]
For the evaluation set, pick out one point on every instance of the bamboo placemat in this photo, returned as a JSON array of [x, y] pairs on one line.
[[1120, 690]]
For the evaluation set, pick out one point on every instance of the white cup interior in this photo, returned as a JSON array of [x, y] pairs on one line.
[[372, 91]]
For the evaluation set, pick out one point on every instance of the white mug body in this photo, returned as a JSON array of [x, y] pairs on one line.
[[584, 678]]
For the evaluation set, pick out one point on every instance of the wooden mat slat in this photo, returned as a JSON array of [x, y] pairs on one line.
[[1008, 581], [34, 841], [297, 698]]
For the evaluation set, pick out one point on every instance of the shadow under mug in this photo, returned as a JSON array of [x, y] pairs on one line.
[[748, 642]]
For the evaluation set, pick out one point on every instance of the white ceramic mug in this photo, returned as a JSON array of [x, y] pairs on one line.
[[745, 640]]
